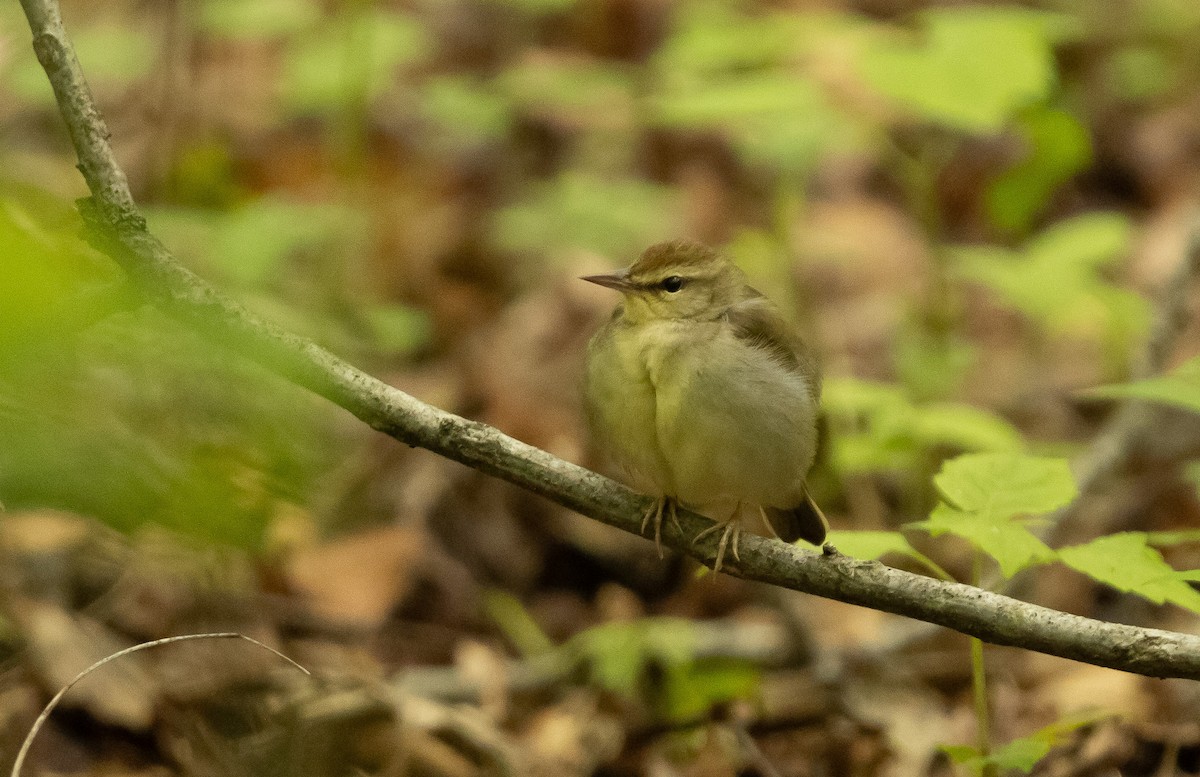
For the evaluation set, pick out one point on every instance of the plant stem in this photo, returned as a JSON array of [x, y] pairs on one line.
[[979, 684]]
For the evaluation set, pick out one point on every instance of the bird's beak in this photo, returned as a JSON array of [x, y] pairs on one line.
[[618, 280]]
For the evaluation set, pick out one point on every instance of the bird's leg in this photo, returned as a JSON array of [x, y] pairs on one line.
[[729, 529], [655, 513]]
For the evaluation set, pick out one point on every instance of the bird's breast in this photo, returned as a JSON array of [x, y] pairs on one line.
[[622, 401]]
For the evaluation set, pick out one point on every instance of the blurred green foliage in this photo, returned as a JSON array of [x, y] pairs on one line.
[[111, 55], [111, 410], [1061, 281], [352, 59], [742, 75], [1179, 388], [1024, 753], [257, 19], [875, 427], [100, 418], [970, 69], [1056, 147], [655, 658], [782, 90], [614, 216], [649, 658]]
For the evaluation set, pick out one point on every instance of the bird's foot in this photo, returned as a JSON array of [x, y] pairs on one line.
[[731, 532], [655, 513]]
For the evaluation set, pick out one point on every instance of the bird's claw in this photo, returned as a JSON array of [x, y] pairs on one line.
[[655, 511], [730, 535]]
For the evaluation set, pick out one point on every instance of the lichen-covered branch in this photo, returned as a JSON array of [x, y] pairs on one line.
[[994, 618]]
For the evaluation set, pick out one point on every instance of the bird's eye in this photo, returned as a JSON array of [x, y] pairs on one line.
[[672, 284]]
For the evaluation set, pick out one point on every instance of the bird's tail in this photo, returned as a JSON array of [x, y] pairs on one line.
[[805, 522]]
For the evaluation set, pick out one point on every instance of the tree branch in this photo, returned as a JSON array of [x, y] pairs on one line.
[[989, 616]]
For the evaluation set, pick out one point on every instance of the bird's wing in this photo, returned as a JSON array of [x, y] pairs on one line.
[[757, 322]]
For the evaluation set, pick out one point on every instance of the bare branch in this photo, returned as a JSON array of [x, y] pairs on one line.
[[991, 617]]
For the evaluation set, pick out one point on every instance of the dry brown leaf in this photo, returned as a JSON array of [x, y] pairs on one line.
[[361, 578]]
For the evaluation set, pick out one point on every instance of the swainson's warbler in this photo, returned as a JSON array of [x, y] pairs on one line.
[[701, 392]]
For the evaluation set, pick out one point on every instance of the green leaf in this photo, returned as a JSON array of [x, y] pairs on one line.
[[852, 396], [580, 209], [1012, 545], [47, 273], [692, 688], [1021, 754], [617, 654], [713, 37], [399, 328], [1126, 562], [971, 68], [1169, 538], [962, 754], [966, 428], [737, 74], [1059, 146], [719, 101], [778, 116], [580, 90], [1092, 241], [999, 486], [1141, 73], [869, 544], [1178, 388], [873, 422], [1024, 753], [464, 114], [1056, 280], [352, 59], [876, 544], [879, 428]]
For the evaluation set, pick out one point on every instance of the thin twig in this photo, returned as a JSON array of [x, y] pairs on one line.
[[49, 708], [988, 616]]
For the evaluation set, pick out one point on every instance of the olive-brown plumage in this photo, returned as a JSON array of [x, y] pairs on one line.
[[702, 393]]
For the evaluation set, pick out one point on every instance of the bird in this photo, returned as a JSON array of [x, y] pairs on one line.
[[705, 397]]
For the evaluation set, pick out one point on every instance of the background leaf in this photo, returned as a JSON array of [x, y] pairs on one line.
[[999, 486], [969, 68], [1058, 146], [1178, 388], [1012, 545], [1126, 562]]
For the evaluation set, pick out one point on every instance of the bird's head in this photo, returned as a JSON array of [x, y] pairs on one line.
[[677, 280]]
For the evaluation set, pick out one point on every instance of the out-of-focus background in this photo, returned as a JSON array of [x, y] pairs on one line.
[[970, 209]]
